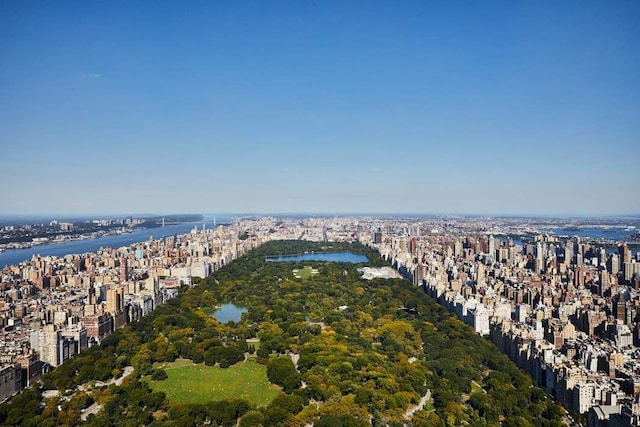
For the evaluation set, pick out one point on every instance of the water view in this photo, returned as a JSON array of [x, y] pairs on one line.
[[229, 313], [15, 256], [613, 233], [322, 256]]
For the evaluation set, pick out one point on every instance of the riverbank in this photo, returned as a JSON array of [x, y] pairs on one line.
[[66, 238], [81, 246]]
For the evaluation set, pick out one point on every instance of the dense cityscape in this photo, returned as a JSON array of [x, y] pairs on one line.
[[563, 308]]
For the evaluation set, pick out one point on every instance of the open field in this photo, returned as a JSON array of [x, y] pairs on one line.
[[191, 383], [305, 272]]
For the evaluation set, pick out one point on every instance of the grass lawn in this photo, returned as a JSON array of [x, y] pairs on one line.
[[475, 387], [305, 273], [190, 383]]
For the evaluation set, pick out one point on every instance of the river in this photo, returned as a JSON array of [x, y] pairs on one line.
[[15, 256], [618, 234]]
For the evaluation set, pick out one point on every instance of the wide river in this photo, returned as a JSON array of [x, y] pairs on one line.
[[16, 256], [618, 234]]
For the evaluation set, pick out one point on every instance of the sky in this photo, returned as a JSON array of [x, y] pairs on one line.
[[497, 107]]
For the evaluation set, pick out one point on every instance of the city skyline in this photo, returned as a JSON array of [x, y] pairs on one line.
[[494, 108]]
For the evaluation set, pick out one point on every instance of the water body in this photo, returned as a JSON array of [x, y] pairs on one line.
[[322, 256], [613, 233], [15, 256], [228, 313]]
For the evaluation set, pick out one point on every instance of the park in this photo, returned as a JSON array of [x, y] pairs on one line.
[[188, 382]]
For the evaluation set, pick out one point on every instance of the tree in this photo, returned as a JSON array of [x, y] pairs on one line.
[[252, 419], [159, 375], [425, 419], [281, 371]]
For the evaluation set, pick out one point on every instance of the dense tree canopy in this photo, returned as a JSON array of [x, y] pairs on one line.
[[359, 358]]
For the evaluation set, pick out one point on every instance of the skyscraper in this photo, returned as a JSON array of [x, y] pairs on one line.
[[624, 253], [613, 264], [492, 247], [124, 270]]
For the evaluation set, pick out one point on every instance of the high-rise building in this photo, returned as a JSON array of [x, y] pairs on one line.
[[603, 257], [457, 248], [568, 252], [630, 269], [605, 282], [115, 306], [115, 300], [413, 246], [10, 381], [481, 278], [539, 258], [492, 246], [124, 270], [579, 277], [624, 253], [613, 264]]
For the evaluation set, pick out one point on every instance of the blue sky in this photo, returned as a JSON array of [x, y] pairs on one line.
[[114, 107]]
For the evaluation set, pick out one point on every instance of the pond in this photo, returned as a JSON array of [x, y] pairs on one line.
[[229, 312], [322, 256]]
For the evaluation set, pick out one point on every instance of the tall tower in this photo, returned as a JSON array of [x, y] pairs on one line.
[[124, 270], [613, 264], [539, 258], [602, 257], [481, 280], [115, 306], [624, 253], [492, 247], [605, 282], [413, 246], [115, 300], [568, 252], [457, 248]]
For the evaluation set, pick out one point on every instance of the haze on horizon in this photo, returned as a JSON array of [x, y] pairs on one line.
[[335, 107]]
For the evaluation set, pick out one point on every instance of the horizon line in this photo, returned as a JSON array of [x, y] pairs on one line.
[[328, 214]]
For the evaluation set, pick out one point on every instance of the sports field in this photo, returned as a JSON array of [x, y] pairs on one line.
[[305, 272], [191, 383]]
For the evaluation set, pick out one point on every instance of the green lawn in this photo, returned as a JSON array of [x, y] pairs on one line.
[[475, 387], [190, 383], [305, 272]]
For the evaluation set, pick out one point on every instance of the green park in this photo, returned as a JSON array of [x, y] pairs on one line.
[[360, 362], [188, 382], [305, 273]]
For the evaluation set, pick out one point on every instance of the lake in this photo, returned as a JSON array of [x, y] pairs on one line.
[[229, 312], [322, 256]]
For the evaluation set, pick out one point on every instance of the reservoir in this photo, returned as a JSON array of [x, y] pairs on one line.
[[229, 312], [322, 256]]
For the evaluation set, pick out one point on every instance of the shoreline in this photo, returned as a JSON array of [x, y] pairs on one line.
[[95, 235]]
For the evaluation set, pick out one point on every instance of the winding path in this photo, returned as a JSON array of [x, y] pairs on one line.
[[419, 406], [95, 407]]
